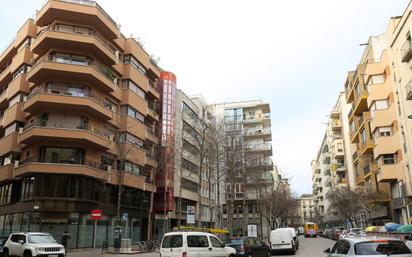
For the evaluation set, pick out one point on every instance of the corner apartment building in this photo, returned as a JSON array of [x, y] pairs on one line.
[[330, 169], [78, 108], [306, 208], [248, 134], [376, 129]]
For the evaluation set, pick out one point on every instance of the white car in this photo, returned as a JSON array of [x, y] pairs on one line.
[[193, 244], [281, 239], [31, 245]]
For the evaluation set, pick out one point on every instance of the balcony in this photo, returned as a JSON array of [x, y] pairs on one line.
[[264, 147], [88, 168], [151, 111], [52, 67], [387, 145], [406, 51], [63, 100], [361, 103], [257, 118], [260, 163], [78, 12], [6, 172], [336, 125], [391, 172], [151, 159], [9, 143], [50, 38], [266, 132], [151, 135], [153, 90], [64, 133]]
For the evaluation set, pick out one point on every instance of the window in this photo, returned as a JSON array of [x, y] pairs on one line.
[[129, 59], [258, 242], [363, 133], [388, 159], [22, 69], [384, 132], [190, 166], [186, 109], [190, 148], [343, 248], [132, 139], [197, 241], [61, 155], [216, 242], [189, 185], [130, 167], [377, 79], [135, 88], [131, 112], [381, 248], [379, 105], [174, 241], [27, 190], [357, 88], [5, 193]]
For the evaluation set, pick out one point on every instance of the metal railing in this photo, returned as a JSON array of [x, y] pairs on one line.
[[260, 147], [265, 131], [66, 92], [64, 125], [106, 71]]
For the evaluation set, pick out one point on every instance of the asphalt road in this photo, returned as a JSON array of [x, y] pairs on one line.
[[310, 247]]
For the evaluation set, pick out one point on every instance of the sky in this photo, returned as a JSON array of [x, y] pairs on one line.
[[293, 54]]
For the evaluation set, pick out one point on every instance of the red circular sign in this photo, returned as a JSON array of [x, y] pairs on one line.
[[96, 214]]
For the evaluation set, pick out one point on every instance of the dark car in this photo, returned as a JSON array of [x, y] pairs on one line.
[[249, 247], [2, 242], [335, 235]]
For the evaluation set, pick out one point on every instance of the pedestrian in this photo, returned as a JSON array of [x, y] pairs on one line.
[[65, 241]]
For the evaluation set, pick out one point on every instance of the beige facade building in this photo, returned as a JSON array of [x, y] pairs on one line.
[[306, 208]]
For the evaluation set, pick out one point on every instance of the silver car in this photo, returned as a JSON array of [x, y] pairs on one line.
[[368, 246]]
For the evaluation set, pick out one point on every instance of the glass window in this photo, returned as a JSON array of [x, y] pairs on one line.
[[216, 242], [197, 241], [385, 131], [25, 222], [377, 79], [174, 241], [381, 247], [16, 223], [129, 59], [388, 159], [343, 248], [61, 155], [35, 222], [62, 186]]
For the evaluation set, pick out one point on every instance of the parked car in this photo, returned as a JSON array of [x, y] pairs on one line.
[[295, 237], [368, 246], [343, 234], [193, 244], [335, 234], [356, 232], [249, 247], [3, 240], [281, 240], [327, 232], [31, 245], [301, 230]]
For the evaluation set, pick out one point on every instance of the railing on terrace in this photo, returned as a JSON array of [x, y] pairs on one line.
[[106, 71], [51, 90], [64, 125], [257, 131], [264, 146], [92, 33], [94, 4]]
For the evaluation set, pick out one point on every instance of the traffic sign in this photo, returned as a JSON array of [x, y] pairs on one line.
[[124, 216], [96, 214]]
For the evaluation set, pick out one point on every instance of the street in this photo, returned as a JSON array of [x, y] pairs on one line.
[[312, 247], [309, 247]]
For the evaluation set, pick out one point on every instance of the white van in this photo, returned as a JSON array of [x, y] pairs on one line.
[[281, 239], [193, 244]]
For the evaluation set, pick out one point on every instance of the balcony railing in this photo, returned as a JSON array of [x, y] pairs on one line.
[[261, 147], [106, 71], [259, 163], [250, 132], [406, 51], [52, 90], [64, 125]]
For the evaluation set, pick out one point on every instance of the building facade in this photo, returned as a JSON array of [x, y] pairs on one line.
[[306, 208], [248, 161], [79, 123]]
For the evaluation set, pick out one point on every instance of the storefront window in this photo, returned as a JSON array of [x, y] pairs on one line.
[[7, 224], [85, 231], [136, 224], [35, 222], [1, 224], [16, 223], [72, 228], [25, 222]]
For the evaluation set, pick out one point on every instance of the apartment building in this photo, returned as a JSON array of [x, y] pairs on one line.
[[192, 187], [397, 61], [78, 107], [248, 161], [306, 208], [330, 170]]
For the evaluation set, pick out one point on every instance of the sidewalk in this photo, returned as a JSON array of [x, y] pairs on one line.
[[89, 253]]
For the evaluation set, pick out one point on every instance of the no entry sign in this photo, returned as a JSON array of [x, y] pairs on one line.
[[96, 214]]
